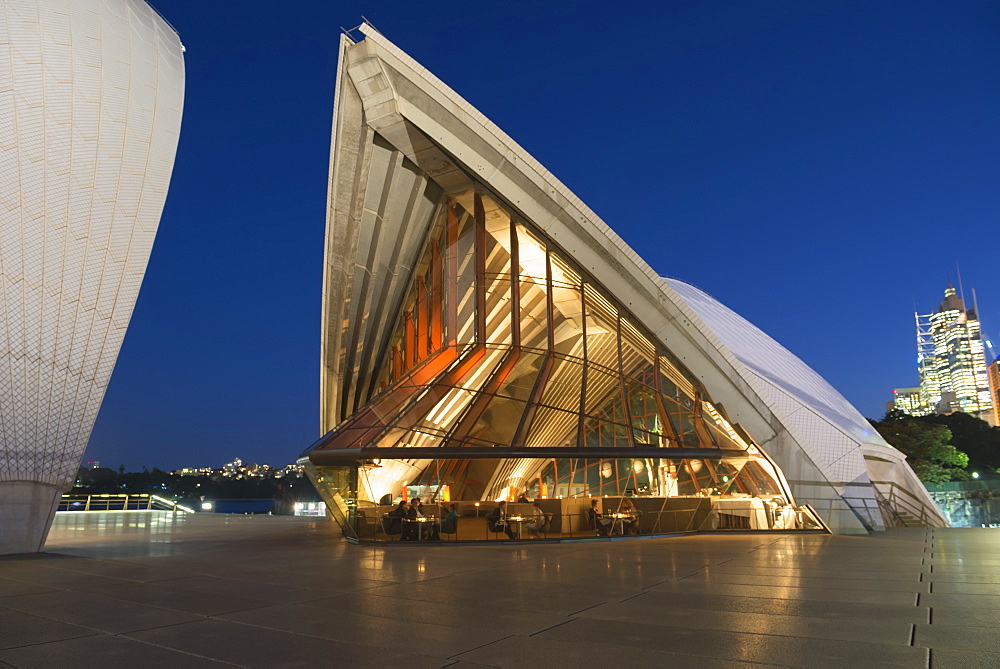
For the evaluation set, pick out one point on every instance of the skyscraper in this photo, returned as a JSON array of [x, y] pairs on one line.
[[993, 372], [951, 362], [909, 400]]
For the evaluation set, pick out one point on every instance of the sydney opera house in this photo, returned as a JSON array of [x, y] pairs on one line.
[[486, 337], [91, 93]]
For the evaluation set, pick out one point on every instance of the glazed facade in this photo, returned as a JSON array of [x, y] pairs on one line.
[[486, 338], [508, 371]]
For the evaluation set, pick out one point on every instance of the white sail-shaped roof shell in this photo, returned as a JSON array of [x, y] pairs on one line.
[[91, 93], [845, 447], [389, 108]]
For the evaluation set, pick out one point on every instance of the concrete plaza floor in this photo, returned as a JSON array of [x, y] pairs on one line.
[[152, 589]]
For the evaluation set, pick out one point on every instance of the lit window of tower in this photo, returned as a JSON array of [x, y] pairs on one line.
[[951, 360]]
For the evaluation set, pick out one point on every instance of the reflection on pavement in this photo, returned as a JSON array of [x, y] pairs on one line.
[[157, 533]]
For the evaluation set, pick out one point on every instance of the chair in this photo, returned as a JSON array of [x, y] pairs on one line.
[[450, 528], [636, 526], [544, 529], [392, 526], [494, 528], [594, 522]]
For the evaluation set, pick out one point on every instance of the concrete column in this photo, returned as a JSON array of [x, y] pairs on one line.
[[26, 512]]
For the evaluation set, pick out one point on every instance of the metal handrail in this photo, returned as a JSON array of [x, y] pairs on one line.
[[112, 502]]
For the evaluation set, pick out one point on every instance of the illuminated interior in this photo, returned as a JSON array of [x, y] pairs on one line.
[[509, 374]]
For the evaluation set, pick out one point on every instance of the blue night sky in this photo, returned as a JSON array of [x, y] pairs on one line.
[[819, 167]]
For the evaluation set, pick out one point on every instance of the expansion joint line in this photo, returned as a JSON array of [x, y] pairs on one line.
[[560, 624], [488, 643]]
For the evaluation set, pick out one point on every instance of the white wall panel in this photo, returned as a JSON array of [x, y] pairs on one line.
[[91, 93]]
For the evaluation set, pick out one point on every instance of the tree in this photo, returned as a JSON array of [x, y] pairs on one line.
[[927, 447], [974, 437]]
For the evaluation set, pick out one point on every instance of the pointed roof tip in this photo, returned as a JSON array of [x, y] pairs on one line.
[[366, 23], [952, 302], [363, 29]]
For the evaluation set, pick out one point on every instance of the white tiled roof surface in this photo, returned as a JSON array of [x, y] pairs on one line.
[[91, 93], [822, 421]]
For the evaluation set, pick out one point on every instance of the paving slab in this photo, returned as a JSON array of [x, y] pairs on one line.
[[969, 617], [121, 569], [258, 591], [849, 574], [228, 587], [482, 617], [505, 595], [402, 636], [648, 612], [166, 597], [253, 646], [788, 607], [948, 658], [992, 577], [934, 599], [950, 588], [958, 637], [100, 652], [55, 577], [959, 568], [810, 582], [696, 586], [738, 646], [10, 588], [535, 651], [18, 629], [94, 611]]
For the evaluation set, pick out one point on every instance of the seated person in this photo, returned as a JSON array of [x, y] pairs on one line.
[[538, 520], [630, 524], [596, 521], [411, 528], [449, 525], [497, 521], [522, 499], [392, 522], [423, 530], [432, 527]]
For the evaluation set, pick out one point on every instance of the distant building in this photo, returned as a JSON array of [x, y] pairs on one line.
[[993, 372], [909, 401], [293, 469], [193, 471], [951, 363]]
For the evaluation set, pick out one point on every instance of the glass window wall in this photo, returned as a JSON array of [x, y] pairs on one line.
[[509, 374]]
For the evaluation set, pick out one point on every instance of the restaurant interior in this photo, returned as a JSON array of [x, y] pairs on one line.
[[509, 375]]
